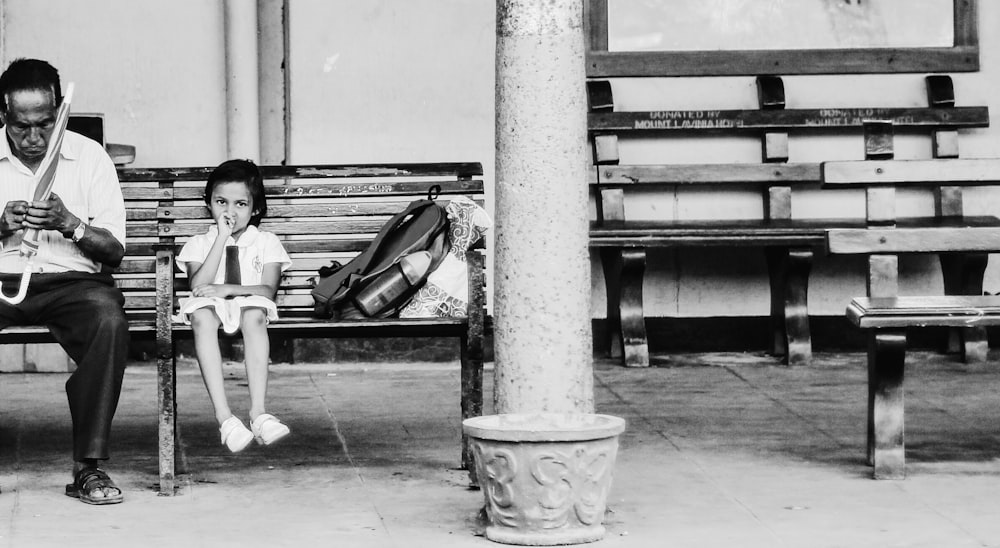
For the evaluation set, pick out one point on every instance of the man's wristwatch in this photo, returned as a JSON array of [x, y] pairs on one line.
[[80, 230]]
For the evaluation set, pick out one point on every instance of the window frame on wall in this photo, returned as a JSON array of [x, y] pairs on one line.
[[962, 56]]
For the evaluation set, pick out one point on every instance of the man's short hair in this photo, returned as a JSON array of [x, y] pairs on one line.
[[29, 75]]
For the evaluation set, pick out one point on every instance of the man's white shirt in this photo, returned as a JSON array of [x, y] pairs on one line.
[[87, 182]]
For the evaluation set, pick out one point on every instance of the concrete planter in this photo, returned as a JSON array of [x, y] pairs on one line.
[[545, 477]]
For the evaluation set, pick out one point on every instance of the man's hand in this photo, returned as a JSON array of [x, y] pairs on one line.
[[13, 217], [50, 214]]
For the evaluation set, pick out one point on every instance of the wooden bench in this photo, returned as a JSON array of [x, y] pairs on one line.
[[789, 243], [961, 241], [888, 318], [887, 314], [321, 213]]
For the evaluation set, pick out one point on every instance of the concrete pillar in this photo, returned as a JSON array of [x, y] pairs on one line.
[[542, 331], [242, 104], [272, 92]]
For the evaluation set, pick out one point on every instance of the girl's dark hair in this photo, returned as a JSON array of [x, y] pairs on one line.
[[240, 171]]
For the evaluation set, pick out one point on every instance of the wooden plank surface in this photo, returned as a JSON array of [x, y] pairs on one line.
[[921, 311], [952, 171], [762, 232], [731, 121], [705, 174], [960, 58], [461, 169], [282, 227], [931, 239]]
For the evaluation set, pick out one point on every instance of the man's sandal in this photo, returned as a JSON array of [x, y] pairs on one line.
[[94, 486], [267, 429]]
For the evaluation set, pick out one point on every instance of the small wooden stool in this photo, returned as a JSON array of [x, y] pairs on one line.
[[888, 318]]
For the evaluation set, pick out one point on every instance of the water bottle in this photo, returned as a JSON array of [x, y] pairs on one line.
[[391, 287]]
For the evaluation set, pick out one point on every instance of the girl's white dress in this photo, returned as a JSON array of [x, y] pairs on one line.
[[257, 248]]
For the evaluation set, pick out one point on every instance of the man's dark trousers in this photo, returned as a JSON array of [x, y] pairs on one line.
[[85, 314]]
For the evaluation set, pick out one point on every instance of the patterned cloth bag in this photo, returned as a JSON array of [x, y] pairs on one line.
[[446, 293]]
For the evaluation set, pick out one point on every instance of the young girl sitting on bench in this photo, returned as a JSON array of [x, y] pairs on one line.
[[234, 270]]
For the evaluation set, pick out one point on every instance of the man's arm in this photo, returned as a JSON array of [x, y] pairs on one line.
[[98, 244]]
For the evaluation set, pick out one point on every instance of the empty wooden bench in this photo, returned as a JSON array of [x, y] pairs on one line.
[[321, 213], [789, 243], [888, 319], [963, 243]]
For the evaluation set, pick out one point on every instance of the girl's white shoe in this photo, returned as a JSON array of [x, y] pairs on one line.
[[267, 429], [235, 434]]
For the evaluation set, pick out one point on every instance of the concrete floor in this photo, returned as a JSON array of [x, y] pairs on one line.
[[720, 450]]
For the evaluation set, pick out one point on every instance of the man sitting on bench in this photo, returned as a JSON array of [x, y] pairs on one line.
[[81, 229]]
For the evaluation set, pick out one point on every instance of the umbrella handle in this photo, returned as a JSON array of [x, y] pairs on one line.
[[23, 289]]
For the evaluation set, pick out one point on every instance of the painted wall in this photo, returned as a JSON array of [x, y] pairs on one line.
[[391, 80], [155, 68], [413, 80]]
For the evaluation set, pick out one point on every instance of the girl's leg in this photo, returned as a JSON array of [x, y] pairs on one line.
[[256, 350], [205, 325]]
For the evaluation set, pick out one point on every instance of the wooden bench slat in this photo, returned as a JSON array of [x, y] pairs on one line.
[[929, 239], [285, 228], [136, 266], [298, 210], [462, 169], [140, 214], [141, 231], [352, 244], [144, 193], [761, 233], [148, 284], [785, 119], [965, 171], [630, 64], [412, 189], [705, 174], [135, 284]]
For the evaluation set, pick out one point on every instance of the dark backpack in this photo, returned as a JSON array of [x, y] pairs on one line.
[[378, 282]]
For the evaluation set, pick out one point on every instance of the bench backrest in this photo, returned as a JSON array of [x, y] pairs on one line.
[[771, 123], [321, 213], [136, 276]]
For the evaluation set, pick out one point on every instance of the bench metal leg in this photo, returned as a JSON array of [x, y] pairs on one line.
[[963, 275], [788, 271], [624, 269], [165, 369], [472, 351], [633, 322], [611, 263], [796, 307], [886, 357], [167, 405], [472, 395]]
